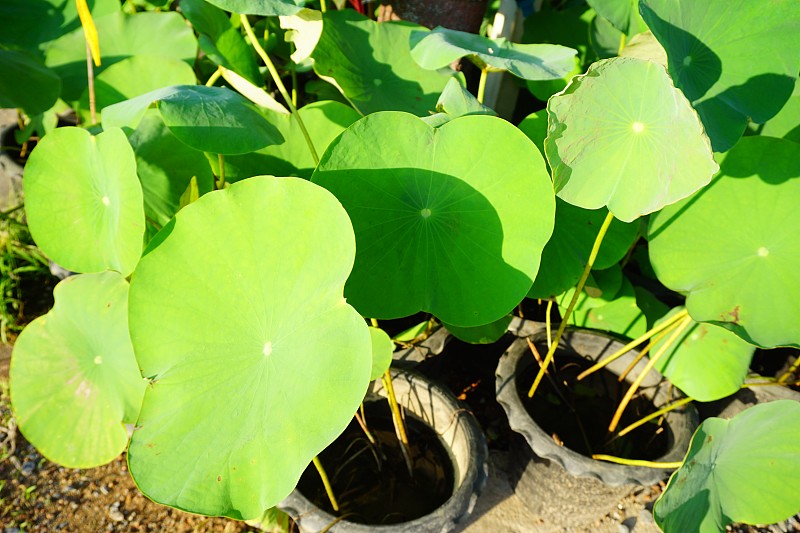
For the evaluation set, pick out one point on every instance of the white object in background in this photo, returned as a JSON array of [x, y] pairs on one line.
[[501, 93]]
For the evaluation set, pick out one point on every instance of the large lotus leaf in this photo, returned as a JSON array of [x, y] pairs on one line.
[[26, 83], [746, 469], [210, 119], [132, 77], [120, 36], [786, 123], [255, 360], [567, 251], [74, 379], [26, 25], [451, 220], [440, 47], [371, 64], [267, 8], [324, 122], [624, 137], [166, 167], [733, 247], [83, 200], [221, 41], [706, 362], [622, 14], [726, 55]]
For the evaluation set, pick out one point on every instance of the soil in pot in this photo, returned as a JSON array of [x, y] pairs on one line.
[[577, 414], [371, 482]]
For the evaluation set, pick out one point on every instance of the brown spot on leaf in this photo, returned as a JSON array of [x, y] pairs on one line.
[[219, 478], [731, 316]]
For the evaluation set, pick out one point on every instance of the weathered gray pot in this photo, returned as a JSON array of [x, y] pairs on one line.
[[460, 434], [559, 485], [731, 406], [10, 170]]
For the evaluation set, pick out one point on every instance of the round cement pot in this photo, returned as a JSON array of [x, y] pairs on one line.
[[458, 432], [561, 486]]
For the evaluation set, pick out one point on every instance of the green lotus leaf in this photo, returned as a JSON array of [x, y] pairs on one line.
[[413, 333], [440, 47], [26, 83], [121, 36], [534, 126], [645, 46], [725, 55], [567, 251], [605, 38], [568, 27], [622, 136], [371, 64], [267, 8], [619, 313], [622, 14], [706, 362], [786, 123], [733, 246], [485, 334], [455, 102], [84, 202], [382, 349], [74, 379], [324, 122], [605, 284], [746, 469], [210, 119], [255, 361], [132, 77], [29, 26], [451, 221], [166, 167], [221, 41], [544, 89], [652, 307]]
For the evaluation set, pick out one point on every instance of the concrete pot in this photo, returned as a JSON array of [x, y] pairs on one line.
[[563, 487], [459, 433]]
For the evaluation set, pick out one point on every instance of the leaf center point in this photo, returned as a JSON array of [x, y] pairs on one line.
[[267, 349], [425, 213], [763, 251], [637, 127]]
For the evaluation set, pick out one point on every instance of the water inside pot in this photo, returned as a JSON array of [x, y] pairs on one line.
[[371, 483], [577, 414]]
